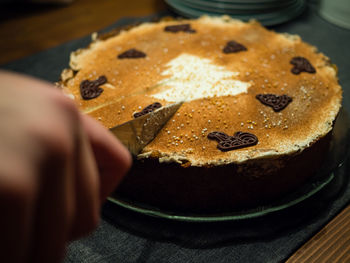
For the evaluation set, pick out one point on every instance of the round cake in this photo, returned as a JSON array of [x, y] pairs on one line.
[[256, 121]]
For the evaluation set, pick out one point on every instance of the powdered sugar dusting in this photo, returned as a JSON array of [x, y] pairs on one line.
[[191, 77]]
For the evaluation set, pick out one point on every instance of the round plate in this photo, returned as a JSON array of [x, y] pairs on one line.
[[338, 153], [261, 2], [235, 8], [270, 18]]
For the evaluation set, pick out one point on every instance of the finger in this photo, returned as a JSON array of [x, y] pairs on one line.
[[54, 209], [112, 158], [83, 169], [17, 197], [87, 209], [56, 201], [43, 210]]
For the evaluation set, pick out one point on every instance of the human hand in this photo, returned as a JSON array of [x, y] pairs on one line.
[[56, 168]]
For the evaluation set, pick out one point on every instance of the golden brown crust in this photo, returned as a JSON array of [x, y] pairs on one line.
[[225, 188]]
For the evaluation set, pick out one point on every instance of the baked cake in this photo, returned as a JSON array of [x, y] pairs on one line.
[[257, 118]]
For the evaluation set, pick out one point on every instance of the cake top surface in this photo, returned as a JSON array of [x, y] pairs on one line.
[[233, 76]]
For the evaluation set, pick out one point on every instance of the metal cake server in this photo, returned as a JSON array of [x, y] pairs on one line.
[[139, 132]]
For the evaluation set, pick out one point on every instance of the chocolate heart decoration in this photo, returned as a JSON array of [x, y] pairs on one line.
[[148, 109], [277, 103], [132, 53], [301, 64], [178, 28], [91, 89], [233, 47], [237, 141]]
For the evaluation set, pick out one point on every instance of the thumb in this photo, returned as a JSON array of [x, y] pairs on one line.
[[112, 158]]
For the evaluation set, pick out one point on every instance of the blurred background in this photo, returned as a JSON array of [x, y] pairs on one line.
[[30, 26], [61, 26], [27, 27]]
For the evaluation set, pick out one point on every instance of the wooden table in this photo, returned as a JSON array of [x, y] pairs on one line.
[[27, 29], [331, 244]]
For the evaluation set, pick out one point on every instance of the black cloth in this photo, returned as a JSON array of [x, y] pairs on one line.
[[125, 236]]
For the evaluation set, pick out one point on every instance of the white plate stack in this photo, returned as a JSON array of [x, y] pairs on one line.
[[267, 12], [336, 12]]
